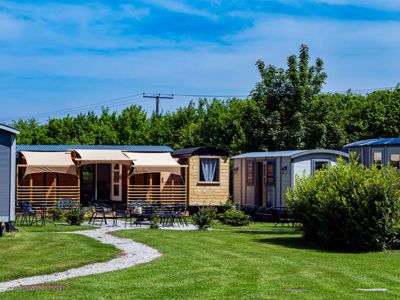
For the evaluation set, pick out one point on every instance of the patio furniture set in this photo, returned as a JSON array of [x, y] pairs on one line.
[[138, 213]]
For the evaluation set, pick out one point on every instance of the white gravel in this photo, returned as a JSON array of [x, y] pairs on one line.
[[133, 254]]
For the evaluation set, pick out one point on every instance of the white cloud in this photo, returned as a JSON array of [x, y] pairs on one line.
[[180, 7], [380, 4]]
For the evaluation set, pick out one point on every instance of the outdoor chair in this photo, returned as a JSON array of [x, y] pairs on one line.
[[166, 215], [66, 204], [264, 214], [180, 215], [120, 211], [18, 210], [282, 216], [29, 215], [99, 213], [143, 213]]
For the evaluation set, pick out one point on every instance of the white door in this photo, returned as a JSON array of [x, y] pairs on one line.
[[116, 182]]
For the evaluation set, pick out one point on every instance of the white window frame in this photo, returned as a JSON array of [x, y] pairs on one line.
[[119, 197]]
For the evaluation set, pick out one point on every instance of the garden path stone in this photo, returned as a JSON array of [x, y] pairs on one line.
[[133, 254]]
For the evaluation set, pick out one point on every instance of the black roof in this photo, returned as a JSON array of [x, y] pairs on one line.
[[204, 150]]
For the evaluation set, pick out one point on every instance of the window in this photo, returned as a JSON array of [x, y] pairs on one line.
[[320, 165], [209, 170], [395, 160], [270, 178], [249, 172], [377, 156]]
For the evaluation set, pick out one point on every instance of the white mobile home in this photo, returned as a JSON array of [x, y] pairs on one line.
[[377, 151], [7, 174], [261, 179]]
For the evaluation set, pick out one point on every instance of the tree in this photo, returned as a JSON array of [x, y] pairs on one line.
[[283, 97]]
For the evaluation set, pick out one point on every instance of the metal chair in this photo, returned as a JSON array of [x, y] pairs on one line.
[[99, 213], [29, 215]]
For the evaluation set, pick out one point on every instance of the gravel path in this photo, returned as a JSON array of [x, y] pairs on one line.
[[133, 254]]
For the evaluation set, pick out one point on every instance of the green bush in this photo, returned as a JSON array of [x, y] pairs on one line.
[[349, 206], [234, 217], [155, 222], [74, 217], [55, 213], [204, 217]]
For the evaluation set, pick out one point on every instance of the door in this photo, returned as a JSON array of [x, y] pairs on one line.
[[87, 184], [104, 183], [116, 177]]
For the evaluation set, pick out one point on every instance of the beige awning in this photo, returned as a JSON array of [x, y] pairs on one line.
[[49, 162], [87, 157], [153, 162]]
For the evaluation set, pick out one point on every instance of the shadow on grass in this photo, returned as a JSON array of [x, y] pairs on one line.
[[269, 231], [303, 244]]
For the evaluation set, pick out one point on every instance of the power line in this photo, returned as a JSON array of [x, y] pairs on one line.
[[210, 96], [86, 107]]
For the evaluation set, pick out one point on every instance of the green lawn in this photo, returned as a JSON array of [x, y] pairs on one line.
[[51, 228], [31, 253], [237, 264]]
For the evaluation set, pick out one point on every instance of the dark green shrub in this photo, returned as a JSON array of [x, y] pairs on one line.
[[204, 217], [229, 204], [74, 217], [349, 206], [155, 222], [55, 213], [234, 217]]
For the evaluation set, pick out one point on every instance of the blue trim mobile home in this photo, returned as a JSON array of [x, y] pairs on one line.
[[7, 173]]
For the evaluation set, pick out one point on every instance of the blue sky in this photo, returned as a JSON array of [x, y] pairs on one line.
[[67, 54]]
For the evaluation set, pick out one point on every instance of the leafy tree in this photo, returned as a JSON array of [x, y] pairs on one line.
[[283, 97]]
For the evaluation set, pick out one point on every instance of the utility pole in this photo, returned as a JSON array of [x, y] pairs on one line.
[[158, 97]]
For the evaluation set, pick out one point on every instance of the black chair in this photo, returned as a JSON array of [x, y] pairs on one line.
[[264, 214], [166, 215], [144, 212], [120, 211], [29, 215], [99, 213], [180, 216], [282, 216]]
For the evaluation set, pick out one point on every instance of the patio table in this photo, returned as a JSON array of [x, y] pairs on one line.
[[43, 213]]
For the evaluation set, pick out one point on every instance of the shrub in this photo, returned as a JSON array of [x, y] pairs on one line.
[[234, 217], [349, 206], [229, 204], [204, 217], [74, 217], [155, 222], [55, 213]]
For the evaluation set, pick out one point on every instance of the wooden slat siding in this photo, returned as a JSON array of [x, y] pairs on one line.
[[48, 194], [166, 194], [48, 187], [207, 194]]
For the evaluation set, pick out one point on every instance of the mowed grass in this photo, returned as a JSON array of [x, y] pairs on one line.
[[237, 264], [25, 254]]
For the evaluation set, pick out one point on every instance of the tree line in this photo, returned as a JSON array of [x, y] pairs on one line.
[[285, 110]]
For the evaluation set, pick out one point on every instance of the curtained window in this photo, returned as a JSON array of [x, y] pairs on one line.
[[209, 170]]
